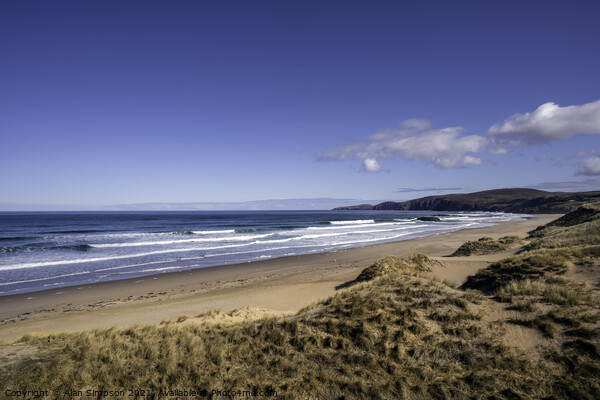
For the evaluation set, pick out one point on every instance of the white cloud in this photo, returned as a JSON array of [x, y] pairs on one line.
[[414, 141], [448, 148], [371, 165], [472, 160], [589, 167], [549, 122], [500, 151]]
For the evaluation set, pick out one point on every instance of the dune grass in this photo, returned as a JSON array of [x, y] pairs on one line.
[[415, 262], [533, 284], [395, 335], [532, 265], [578, 230], [586, 213], [549, 291], [573, 238], [486, 245]]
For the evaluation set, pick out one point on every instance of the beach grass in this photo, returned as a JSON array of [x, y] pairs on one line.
[[486, 245], [397, 335]]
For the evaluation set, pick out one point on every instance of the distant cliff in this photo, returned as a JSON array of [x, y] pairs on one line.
[[515, 200]]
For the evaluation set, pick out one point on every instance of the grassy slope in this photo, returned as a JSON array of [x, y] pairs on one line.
[[392, 334]]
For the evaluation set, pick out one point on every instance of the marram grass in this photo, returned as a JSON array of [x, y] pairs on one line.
[[486, 245]]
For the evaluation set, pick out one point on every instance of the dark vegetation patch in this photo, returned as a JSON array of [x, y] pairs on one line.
[[528, 265], [485, 245]]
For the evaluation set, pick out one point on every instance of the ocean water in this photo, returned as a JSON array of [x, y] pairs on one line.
[[47, 250]]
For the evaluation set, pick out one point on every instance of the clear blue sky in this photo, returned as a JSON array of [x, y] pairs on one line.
[[118, 102]]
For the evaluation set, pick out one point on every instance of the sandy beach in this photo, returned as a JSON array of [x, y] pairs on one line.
[[282, 285]]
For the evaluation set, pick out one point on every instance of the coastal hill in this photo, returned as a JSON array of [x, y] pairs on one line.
[[515, 200]]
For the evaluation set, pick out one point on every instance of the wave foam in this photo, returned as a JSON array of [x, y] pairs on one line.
[[353, 222], [241, 238]]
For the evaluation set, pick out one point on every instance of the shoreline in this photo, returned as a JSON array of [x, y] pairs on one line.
[[45, 272], [282, 285]]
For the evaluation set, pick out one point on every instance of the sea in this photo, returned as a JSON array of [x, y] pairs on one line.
[[44, 250]]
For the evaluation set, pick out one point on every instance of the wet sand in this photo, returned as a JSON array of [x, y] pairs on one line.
[[282, 285]]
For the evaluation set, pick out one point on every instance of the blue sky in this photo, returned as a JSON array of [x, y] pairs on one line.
[[107, 102]]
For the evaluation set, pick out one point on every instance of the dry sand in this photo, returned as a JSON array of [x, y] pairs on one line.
[[281, 285]]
